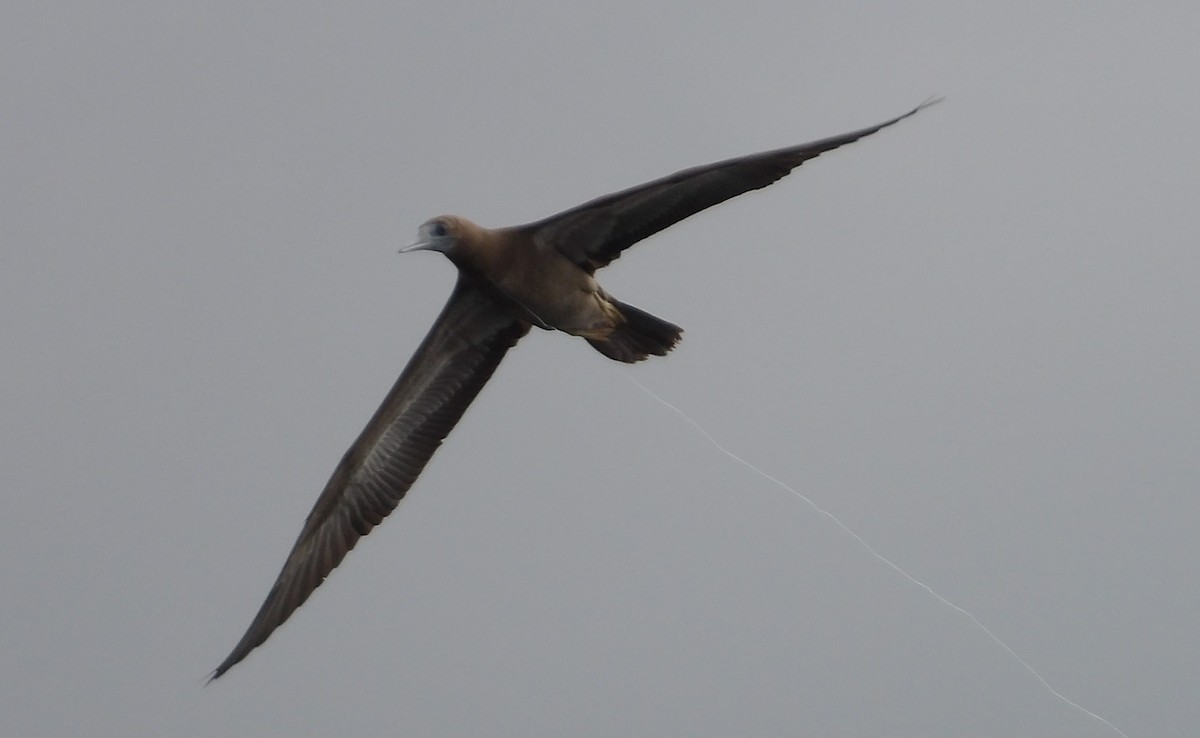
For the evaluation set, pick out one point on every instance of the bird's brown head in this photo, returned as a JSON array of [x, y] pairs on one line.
[[448, 234]]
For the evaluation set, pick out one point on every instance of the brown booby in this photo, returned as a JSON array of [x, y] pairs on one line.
[[509, 279]]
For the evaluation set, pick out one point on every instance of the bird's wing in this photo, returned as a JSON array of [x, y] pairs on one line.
[[462, 349], [594, 234]]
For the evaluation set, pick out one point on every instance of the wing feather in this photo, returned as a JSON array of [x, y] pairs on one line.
[[594, 234], [457, 357]]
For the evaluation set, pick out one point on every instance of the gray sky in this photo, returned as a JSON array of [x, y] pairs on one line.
[[972, 337]]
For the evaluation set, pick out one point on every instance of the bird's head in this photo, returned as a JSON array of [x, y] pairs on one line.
[[444, 233]]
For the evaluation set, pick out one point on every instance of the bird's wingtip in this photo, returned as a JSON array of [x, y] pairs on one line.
[[219, 672], [928, 102]]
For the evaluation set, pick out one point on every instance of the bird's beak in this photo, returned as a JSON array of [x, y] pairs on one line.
[[418, 245]]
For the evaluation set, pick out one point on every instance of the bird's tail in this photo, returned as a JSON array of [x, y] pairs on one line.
[[637, 336]]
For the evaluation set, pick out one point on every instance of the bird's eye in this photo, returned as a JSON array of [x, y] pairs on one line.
[[438, 230]]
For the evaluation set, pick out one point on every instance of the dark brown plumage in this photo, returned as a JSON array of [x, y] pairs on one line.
[[539, 274]]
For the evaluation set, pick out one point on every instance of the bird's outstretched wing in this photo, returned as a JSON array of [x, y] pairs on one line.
[[462, 349], [594, 234]]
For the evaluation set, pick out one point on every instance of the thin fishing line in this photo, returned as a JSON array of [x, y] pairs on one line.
[[871, 550]]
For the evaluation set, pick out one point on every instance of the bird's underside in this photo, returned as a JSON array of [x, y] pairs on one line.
[[486, 314]]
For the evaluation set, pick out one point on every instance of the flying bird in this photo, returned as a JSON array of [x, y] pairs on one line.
[[509, 279]]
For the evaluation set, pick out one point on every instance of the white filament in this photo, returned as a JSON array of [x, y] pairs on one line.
[[881, 558]]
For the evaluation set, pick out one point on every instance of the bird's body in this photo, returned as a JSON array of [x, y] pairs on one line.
[[547, 289], [510, 279], [553, 292]]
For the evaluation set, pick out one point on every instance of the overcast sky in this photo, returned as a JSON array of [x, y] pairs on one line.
[[971, 337]]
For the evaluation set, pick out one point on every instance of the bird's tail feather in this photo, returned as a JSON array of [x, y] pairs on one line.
[[637, 336]]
